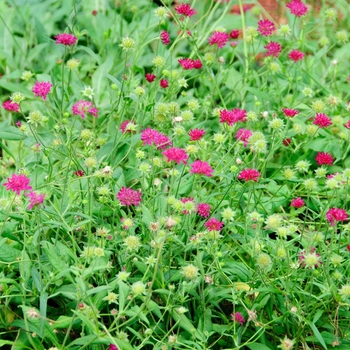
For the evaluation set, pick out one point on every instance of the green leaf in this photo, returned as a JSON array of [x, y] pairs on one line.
[[8, 253], [258, 346], [11, 133], [317, 334], [62, 322], [5, 342], [55, 260]]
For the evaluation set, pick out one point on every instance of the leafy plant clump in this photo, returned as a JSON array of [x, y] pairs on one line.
[[174, 175]]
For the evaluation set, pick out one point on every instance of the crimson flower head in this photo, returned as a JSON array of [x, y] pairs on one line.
[[79, 173], [201, 168], [347, 125], [150, 77], [112, 347], [214, 225], [296, 55], [151, 136], [35, 199], [249, 175], [243, 135], [336, 214], [238, 317], [66, 39], [219, 38], [322, 120], [203, 209], [287, 141], [185, 10], [42, 89], [164, 83], [288, 112], [177, 155], [165, 37], [297, 203], [297, 8], [234, 34], [10, 106], [273, 49], [82, 107], [197, 64], [128, 196], [17, 183], [196, 134], [266, 27], [233, 116], [324, 158], [186, 63]]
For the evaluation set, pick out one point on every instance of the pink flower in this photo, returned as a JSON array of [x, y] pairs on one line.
[[66, 39], [35, 199], [186, 63], [185, 10], [214, 225], [123, 126], [163, 83], [266, 27], [150, 136], [287, 141], [297, 203], [249, 175], [10, 106], [202, 168], [196, 134], [290, 112], [336, 214], [233, 116], [81, 107], [150, 77], [177, 155], [127, 196], [219, 38], [203, 209], [17, 183], [234, 34], [322, 120], [42, 89], [18, 124], [243, 135], [238, 317], [347, 125], [112, 347], [297, 8], [273, 49], [296, 55], [165, 37], [324, 158], [79, 173], [197, 64]]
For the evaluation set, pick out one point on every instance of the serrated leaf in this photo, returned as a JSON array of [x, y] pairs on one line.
[[11, 133]]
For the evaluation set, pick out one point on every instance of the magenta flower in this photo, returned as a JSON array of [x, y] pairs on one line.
[[233, 116], [165, 37], [66, 39], [112, 347], [150, 136], [336, 214], [296, 55], [201, 168], [322, 120], [42, 89], [150, 77], [128, 196], [297, 203], [266, 27], [287, 141], [203, 209], [234, 33], [123, 126], [197, 64], [185, 10], [243, 135], [164, 83], [297, 8], [249, 175], [214, 225], [324, 158], [238, 317], [347, 125], [196, 134], [82, 107], [35, 199], [10, 106], [273, 49], [219, 38], [290, 112], [17, 183], [186, 63], [177, 155]]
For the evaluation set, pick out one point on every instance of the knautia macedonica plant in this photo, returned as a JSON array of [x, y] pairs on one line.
[[174, 175]]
